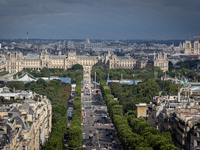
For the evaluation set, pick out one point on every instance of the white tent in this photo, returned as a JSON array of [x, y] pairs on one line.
[[26, 78]]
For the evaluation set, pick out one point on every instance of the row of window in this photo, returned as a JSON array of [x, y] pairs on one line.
[[161, 64], [122, 65], [125, 62]]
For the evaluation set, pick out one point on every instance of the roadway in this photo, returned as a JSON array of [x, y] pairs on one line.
[[101, 128]]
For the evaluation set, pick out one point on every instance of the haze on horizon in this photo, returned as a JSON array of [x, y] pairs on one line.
[[103, 19]]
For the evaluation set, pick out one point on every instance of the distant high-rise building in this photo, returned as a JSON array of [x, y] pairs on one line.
[[0, 45], [27, 35]]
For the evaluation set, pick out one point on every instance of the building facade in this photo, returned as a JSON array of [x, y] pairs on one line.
[[192, 48], [16, 62], [161, 60], [179, 115], [25, 126]]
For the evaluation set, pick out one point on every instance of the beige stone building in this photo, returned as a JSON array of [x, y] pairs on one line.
[[161, 60], [25, 126], [179, 115], [141, 110], [15, 61], [192, 48]]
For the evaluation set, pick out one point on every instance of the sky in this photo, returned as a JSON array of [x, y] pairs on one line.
[[100, 19]]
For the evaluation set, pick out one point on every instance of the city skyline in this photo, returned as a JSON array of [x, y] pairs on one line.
[[106, 19]]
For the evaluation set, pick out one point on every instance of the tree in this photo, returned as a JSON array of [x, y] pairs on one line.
[[170, 65], [77, 67], [45, 72], [18, 85], [122, 98], [185, 65], [149, 88]]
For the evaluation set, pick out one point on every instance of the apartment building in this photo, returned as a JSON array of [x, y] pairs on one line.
[[8, 95], [178, 114], [26, 125]]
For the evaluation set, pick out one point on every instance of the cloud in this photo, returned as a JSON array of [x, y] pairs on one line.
[[131, 18], [3, 2]]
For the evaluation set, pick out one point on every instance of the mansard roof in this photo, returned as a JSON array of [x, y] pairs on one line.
[[19, 120], [29, 101], [14, 109]]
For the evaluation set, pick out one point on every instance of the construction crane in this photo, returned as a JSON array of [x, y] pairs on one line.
[[196, 36]]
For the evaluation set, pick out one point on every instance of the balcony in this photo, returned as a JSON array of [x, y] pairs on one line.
[[180, 132]]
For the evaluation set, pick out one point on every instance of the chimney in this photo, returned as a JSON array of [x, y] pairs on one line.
[[59, 53], [179, 95], [185, 92]]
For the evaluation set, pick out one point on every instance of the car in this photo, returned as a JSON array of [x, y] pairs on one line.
[[102, 107], [84, 147], [96, 141], [114, 145], [94, 134], [88, 107]]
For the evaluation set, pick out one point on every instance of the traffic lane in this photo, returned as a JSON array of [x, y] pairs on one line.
[[98, 135], [89, 128], [107, 120], [101, 137], [95, 138]]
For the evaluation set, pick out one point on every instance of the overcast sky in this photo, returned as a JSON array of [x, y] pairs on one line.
[[100, 19]]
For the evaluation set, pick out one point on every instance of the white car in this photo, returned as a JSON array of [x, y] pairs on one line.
[[102, 107]]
